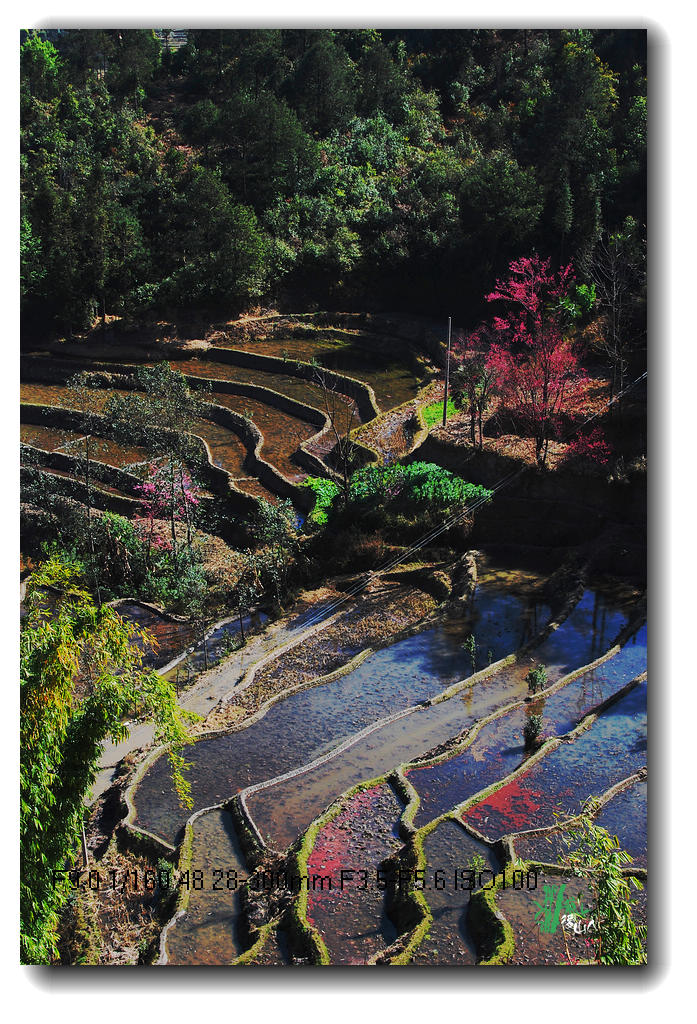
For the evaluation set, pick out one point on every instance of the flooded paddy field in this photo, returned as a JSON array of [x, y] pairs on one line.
[[350, 912], [227, 450], [283, 434], [285, 384], [450, 850], [113, 453], [540, 936], [606, 753], [624, 816], [207, 934], [308, 723], [498, 748]]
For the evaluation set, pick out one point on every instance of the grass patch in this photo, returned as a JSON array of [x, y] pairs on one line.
[[433, 413]]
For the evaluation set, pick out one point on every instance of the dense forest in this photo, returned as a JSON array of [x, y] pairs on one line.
[[324, 169]]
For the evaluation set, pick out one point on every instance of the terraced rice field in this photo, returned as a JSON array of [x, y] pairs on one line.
[[392, 379], [411, 756], [313, 745]]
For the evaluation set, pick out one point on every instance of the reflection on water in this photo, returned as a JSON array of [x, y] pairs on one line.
[[625, 816], [309, 723], [586, 634], [450, 850], [498, 747], [283, 811], [610, 750], [173, 638], [217, 645], [207, 934]]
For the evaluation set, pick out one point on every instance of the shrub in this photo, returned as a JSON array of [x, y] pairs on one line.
[[532, 730], [420, 484], [589, 449], [470, 645], [325, 492], [536, 679]]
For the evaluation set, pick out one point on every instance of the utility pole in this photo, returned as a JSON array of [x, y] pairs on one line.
[[447, 375]]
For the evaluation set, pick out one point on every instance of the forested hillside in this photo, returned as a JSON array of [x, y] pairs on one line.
[[335, 169]]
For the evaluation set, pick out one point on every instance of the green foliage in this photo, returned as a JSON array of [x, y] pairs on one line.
[[597, 856], [322, 163], [181, 586], [119, 562], [276, 533], [579, 302], [433, 413], [477, 863], [532, 730], [470, 645], [419, 484], [326, 492], [62, 732], [536, 679]]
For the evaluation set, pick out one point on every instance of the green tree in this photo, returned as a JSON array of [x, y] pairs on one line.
[[265, 150], [275, 531], [247, 588], [133, 62], [88, 401], [595, 855], [40, 66], [63, 728], [323, 89], [617, 269]]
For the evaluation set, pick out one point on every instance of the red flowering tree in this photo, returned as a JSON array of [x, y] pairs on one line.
[[591, 447], [535, 366]]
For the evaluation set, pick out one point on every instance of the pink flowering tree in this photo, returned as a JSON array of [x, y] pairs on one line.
[[167, 494], [534, 364]]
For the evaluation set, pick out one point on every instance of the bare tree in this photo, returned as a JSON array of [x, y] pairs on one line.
[[342, 414], [83, 394], [617, 269]]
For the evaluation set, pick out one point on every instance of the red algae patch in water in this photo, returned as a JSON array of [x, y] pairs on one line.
[[514, 802], [348, 910], [624, 816]]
